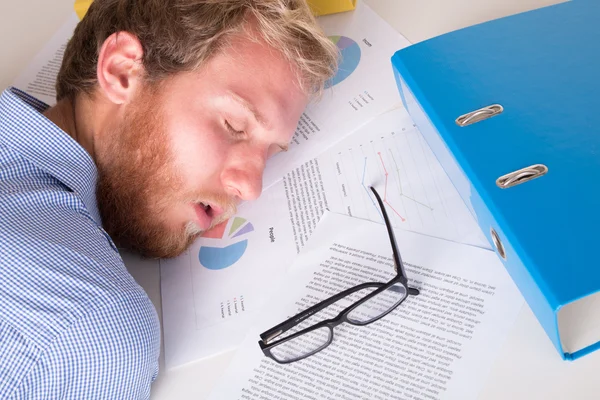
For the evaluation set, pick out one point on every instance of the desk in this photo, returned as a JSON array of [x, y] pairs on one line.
[[527, 367]]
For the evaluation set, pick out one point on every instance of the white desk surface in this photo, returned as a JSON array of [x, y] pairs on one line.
[[528, 366]]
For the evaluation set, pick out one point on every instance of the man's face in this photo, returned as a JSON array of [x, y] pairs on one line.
[[181, 156]]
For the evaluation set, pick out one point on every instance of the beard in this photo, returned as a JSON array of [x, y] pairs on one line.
[[138, 185]]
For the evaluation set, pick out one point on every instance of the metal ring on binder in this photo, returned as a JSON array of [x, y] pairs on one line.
[[521, 176], [498, 244], [479, 115]]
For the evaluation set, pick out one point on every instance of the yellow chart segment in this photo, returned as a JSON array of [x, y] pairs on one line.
[[81, 7]]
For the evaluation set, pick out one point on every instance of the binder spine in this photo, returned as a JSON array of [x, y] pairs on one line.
[[497, 233]]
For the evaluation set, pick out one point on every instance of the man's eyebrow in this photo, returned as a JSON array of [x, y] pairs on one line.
[[244, 103]]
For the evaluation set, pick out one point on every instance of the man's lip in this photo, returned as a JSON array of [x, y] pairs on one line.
[[207, 216], [204, 219], [215, 210]]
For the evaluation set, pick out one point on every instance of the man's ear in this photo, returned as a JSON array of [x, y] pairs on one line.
[[120, 67]]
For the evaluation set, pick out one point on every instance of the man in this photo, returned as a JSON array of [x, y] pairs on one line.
[[167, 111]]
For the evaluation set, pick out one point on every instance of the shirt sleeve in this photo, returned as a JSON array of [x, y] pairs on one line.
[[110, 353]]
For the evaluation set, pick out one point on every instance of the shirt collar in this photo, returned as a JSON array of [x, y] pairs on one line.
[[27, 131]]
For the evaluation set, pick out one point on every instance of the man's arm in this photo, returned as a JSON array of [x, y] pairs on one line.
[[110, 353]]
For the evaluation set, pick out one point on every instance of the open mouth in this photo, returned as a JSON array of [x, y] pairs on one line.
[[211, 210], [207, 213], [207, 208]]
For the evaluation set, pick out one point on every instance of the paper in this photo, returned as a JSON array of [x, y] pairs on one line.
[[391, 154], [363, 88], [81, 7], [211, 292], [438, 345], [323, 7], [209, 305], [39, 78]]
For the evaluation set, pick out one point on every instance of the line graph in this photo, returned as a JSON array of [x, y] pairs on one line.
[[406, 198], [392, 156], [369, 193], [402, 194], [386, 188]]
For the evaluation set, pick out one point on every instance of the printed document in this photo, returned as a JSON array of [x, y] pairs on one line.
[[437, 345], [363, 87], [39, 78], [390, 154], [210, 293]]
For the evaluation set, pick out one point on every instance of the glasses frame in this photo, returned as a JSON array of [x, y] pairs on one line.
[[266, 343]]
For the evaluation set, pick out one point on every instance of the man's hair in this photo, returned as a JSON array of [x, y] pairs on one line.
[[181, 35]]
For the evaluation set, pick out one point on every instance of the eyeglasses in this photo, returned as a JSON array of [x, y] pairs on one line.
[[383, 299]]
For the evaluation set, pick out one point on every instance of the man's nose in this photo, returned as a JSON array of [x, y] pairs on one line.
[[244, 181]]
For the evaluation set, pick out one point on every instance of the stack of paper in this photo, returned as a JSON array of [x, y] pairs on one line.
[[316, 221], [438, 345]]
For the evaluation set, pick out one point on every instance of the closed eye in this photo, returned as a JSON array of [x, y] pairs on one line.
[[232, 130]]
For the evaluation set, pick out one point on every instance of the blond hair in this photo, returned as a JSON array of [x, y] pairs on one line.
[[181, 35]]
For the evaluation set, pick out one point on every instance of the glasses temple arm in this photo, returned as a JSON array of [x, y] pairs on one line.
[[397, 258]]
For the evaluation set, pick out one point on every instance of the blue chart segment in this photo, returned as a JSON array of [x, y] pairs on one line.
[[218, 257], [350, 57]]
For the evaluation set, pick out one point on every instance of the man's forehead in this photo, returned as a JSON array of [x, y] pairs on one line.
[[250, 70], [249, 50]]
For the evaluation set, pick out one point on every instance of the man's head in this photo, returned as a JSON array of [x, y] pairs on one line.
[[181, 103]]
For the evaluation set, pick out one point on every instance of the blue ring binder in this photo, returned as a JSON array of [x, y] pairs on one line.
[[528, 173]]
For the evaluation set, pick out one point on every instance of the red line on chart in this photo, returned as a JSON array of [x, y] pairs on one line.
[[386, 185]]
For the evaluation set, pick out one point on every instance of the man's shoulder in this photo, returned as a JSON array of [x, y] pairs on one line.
[[56, 262], [52, 278], [67, 299]]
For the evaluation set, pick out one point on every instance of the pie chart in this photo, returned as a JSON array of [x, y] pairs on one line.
[[223, 254], [350, 57]]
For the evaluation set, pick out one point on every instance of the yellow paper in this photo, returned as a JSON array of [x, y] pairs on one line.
[[318, 7], [322, 7], [81, 7]]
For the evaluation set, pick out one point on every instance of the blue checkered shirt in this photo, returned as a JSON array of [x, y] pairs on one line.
[[73, 322]]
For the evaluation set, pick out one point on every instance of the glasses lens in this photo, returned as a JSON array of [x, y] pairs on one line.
[[378, 305], [303, 345]]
